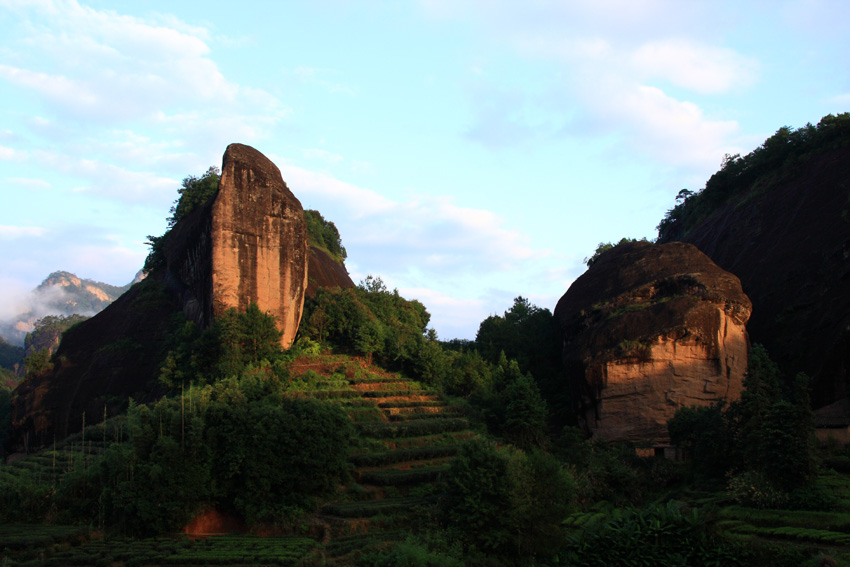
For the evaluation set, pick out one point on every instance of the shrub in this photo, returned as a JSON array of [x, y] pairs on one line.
[[751, 488]]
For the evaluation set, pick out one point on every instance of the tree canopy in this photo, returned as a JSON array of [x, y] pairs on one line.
[[324, 234], [779, 154]]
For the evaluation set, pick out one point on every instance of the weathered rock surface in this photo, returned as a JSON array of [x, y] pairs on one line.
[[248, 244], [99, 364], [324, 271], [649, 329], [788, 239]]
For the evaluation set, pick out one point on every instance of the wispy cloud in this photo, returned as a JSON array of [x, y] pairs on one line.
[[14, 232], [424, 231], [11, 154], [623, 63], [26, 183]]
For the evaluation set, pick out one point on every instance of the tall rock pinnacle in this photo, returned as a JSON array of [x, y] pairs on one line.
[[259, 241]]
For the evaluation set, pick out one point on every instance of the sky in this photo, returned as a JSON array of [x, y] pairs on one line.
[[468, 151]]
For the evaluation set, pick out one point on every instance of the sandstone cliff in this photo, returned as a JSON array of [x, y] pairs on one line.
[[99, 364], [787, 236], [324, 271], [649, 329], [247, 244]]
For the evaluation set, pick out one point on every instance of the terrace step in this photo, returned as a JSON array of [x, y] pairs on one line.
[[442, 412], [368, 508], [403, 455], [413, 427], [403, 477], [395, 385]]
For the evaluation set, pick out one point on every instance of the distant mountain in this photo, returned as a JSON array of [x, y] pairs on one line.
[[61, 293]]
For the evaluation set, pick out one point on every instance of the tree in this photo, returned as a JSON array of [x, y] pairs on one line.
[[38, 362], [603, 247], [769, 431], [194, 192], [271, 458], [508, 502], [324, 234], [703, 433]]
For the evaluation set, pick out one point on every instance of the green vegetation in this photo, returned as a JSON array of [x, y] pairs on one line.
[[765, 441], [392, 448], [324, 234], [378, 324], [9, 354], [779, 156], [606, 246], [194, 192], [73, 545], [508, 503]]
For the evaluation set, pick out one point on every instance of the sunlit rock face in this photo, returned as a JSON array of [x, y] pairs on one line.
[[259, 241], [248, 245], [649, 329]]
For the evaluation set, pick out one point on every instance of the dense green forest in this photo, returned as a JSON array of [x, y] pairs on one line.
[[371, 442], [779, 156]]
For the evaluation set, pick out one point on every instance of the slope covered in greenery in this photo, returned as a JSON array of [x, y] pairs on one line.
[[780, 156]]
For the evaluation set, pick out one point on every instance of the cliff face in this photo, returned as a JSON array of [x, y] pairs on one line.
[[324, 271], [248, 244], [788, 239], [99, 364], [649, 329]]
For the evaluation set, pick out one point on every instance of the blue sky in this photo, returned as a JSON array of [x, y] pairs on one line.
[[468, 151]]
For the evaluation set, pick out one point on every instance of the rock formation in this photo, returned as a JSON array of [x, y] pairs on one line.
[[788, 238], [248, 245], [324, 271], [99, 364], [61, 293], [649, 329]]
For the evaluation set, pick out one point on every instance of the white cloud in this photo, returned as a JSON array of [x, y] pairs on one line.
[[840, 99], [108, 180], [420, 238], [675, 132], [704, 69], [356, 201], [11, 232], [453, 316], [56, 87], [9, 154], [100, 65], [625, 68], [26, 182]]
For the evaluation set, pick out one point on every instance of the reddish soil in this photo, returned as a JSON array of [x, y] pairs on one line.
[[213, 522]]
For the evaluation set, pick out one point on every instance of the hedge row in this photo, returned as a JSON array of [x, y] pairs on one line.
[[400, 456], [412, 428]]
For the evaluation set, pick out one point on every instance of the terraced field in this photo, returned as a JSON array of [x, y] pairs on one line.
[[408, 436]]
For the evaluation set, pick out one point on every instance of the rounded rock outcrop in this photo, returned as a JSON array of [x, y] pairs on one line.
[[649, 329]]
